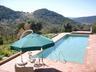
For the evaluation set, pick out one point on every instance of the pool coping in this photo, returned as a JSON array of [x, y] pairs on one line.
[[59, 36]]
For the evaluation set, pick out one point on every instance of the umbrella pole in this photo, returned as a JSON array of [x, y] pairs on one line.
[[21, 57], [42, 56], [42, 59], [43, 64]]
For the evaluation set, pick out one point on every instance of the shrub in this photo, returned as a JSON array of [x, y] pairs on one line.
[[6, 53], [68, 27], [5, 50], [1, 41], [94, 28], [1, 57]]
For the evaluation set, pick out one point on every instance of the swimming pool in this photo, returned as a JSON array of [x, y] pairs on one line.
[[71, 48]]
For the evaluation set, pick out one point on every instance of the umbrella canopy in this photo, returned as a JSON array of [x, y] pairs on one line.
[[31, 42]]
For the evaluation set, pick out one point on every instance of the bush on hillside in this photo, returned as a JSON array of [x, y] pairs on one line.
[[1, 57], [1, 41], [94, 28], [68, 27]]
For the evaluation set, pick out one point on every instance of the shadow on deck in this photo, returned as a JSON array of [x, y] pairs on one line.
[[47, 70]]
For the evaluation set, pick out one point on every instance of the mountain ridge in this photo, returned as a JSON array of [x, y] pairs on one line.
[[50, 20], [51, 16], [85, 20]]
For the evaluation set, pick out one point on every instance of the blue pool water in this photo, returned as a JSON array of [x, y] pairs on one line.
[[71, 48]]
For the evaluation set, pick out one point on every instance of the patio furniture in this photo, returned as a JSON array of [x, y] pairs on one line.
[[21, 63], [39, 64], [31, 59], [23, 68]]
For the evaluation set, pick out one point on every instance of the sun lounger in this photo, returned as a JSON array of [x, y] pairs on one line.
[[23, 69], [20, 63], [31, 59]]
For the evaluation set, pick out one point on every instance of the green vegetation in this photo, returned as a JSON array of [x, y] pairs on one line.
[[21, 25], [68, 27], [94, 28], [1, 41], [5, 51], [51, 35], [36, 26], [1, 57]]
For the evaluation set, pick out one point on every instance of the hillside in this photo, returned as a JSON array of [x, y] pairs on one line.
[[48, 16], [6, 13], [45, 15], [50, 20], [10, 18], [51, 17], [9, 15], [86, 20]]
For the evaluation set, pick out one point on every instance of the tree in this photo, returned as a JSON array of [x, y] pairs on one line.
[[68, 27], [1, 41], [19, 26], [94, 28], [36, 27]]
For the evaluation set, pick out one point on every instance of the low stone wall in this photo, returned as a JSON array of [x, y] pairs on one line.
[[9, 58]]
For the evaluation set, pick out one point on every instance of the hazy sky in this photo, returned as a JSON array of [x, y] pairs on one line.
[[68, 8]]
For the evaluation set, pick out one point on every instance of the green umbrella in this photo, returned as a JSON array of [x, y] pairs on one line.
[[32, 42]]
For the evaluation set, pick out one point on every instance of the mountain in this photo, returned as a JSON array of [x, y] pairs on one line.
[[9, 19], [52, 21], [9, 15], [86, 20], [51, 17], [6, 13]]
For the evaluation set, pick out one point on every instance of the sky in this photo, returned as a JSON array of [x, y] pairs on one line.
[[68, 8]]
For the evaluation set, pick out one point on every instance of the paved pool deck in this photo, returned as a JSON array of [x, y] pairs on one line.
[[89, 64]]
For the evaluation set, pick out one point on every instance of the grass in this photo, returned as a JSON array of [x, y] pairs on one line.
[[5, 51]]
